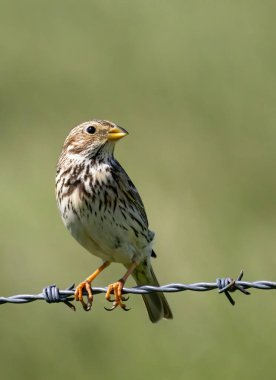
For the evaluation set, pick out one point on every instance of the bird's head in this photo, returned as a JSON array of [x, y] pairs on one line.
[[92, 138]]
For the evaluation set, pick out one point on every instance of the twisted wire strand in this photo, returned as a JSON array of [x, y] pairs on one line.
[[52, 294]]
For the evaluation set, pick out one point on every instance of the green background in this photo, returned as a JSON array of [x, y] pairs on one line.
[[194, 84]]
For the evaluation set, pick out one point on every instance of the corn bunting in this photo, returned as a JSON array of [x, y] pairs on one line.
[[102, 209]]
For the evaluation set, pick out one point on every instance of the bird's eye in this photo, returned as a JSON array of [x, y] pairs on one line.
[[91, 130]]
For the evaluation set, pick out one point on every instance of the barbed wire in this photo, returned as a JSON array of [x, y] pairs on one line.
[[52, 294]]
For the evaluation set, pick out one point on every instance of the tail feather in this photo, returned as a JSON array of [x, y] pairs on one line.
[[156, 303]]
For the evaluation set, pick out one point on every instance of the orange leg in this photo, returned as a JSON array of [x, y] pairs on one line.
[[86, 285], [116, 289]]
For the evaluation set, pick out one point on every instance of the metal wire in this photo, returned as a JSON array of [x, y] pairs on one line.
[[52, 294]]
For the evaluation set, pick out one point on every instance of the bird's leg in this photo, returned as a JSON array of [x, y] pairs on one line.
[[116, 289], [86, 285]]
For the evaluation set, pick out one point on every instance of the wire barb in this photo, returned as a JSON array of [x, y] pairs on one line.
[[52, 294], [226, 285]]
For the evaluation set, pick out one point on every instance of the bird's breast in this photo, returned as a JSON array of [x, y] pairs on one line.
[[96, 213]]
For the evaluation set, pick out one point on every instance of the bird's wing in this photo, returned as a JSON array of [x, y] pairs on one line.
[[129, 190]]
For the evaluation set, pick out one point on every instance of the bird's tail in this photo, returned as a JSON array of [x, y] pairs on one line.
[[156, 303]]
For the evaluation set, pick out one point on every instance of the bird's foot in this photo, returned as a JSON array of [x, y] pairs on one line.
[[116, 289], [85, 285]]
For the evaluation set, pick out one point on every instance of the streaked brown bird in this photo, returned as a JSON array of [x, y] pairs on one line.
[[103, 211]]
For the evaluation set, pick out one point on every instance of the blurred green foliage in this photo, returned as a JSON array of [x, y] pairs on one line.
[[194, 84]]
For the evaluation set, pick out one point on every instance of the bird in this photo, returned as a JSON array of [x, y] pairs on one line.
[[103, 211]]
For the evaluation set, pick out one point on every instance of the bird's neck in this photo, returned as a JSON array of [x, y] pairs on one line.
[[80, 168]]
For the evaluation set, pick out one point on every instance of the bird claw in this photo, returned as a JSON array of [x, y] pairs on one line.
[[115, 304], [79, 295], [116, 289], [124, 299], [86, 306]]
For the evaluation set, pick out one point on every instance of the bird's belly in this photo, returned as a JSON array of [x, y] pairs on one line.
[[101, 232], [102, 238]]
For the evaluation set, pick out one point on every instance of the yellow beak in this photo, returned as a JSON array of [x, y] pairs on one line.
[[116, 133]]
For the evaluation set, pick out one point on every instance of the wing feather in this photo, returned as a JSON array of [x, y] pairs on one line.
[[127, 187]]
